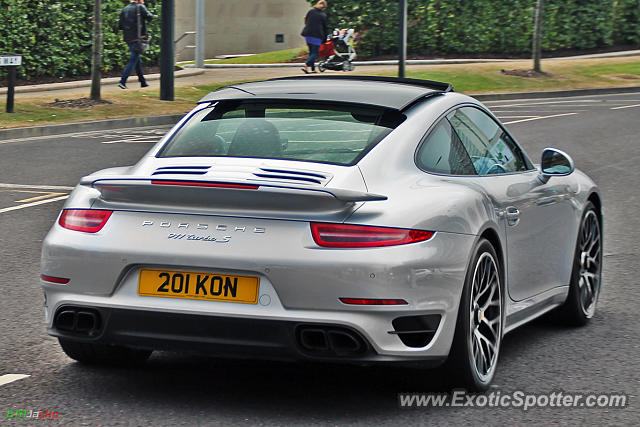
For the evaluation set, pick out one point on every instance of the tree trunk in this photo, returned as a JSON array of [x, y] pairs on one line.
[[537, 37], [96, 50]]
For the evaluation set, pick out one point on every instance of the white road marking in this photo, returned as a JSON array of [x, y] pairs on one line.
[[28, 205], [539, 118], [547, 103], [99, 133], [41, 197], [35, 187], [626, 106], [9, 378], [515, 117], [612, 96], [532, 111]]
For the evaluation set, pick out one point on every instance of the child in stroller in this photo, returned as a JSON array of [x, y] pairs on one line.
[[337, 53]]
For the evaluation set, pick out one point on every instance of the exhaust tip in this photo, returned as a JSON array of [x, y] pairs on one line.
[[344, 343], [78, 321], [65, 320], [86, 321], [330, 341], [314, 339]]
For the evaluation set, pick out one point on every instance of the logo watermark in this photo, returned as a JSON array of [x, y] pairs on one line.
[[517, 399], [31, 414]]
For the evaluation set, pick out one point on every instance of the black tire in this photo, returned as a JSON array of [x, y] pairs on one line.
[[573, 312], [461, 365], [100, 354], [321, 68]]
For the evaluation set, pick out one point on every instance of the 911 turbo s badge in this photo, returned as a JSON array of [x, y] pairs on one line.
[[208, 238], [183, 226]]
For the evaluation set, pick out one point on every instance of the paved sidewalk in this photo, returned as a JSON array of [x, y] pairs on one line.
[[220, 74], [434, 61]]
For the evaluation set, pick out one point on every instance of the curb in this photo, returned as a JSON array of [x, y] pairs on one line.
[[87, 83], [429, 61], [555, 93], [113, 124], [360, 63], [40, 131]]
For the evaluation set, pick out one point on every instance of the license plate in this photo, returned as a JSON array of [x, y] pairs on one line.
[[200, 286]]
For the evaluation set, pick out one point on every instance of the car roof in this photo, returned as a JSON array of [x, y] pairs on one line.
[[386, 92]]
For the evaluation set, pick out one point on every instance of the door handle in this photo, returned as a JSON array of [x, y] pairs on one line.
[[547, 201], [513, 216]]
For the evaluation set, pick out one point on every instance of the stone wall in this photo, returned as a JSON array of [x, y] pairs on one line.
[[241, 26]]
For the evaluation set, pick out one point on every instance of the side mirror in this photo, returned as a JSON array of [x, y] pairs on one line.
[[555, 163]]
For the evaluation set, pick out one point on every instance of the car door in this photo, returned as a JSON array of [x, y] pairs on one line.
[[536, 215]]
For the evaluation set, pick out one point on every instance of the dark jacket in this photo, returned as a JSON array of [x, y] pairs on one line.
[[315, 24], [128, 21]]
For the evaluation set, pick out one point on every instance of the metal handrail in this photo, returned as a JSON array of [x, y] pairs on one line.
[[185, 34]]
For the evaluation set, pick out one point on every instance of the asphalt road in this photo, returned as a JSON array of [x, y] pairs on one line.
[[600, 132]]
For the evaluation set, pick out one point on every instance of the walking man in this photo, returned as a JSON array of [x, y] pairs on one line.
[[133, 23]]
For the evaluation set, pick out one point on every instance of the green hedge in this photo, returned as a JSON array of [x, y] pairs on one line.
[[54, 36], [487, 26]]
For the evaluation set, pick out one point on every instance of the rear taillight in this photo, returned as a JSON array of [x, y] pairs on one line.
[[53, 279], [363, 236], [87, 220]]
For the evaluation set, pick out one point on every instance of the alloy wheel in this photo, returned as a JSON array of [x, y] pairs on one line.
[[485, 316], [590, 249]]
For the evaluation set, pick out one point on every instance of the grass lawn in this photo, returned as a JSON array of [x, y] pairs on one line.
[[563, 74], [34, 111], [467, 78]]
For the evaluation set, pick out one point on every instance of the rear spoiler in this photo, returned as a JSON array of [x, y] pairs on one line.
[[226, 195]]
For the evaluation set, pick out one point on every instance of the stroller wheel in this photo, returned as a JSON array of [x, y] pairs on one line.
[[346, 66], [321, 68]]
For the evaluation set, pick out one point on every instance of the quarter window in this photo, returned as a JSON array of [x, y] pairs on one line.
[[491, 150], [442, 152]]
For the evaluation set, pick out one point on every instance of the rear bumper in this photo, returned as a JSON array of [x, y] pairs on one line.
[[225, 336]]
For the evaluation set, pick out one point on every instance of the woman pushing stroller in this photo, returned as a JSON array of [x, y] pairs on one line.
[[315, 33]]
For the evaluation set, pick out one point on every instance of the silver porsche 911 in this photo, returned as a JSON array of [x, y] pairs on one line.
[[354, 219]]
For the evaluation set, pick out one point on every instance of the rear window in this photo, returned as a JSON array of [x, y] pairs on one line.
[[317, 132]]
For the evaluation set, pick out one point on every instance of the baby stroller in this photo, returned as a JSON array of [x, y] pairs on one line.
[[336, 53]]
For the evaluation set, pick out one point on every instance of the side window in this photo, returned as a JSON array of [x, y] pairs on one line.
[[490, 148], [442, 152]]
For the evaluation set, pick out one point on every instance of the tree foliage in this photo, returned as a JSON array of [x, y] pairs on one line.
[[54, 36], [487, 26]]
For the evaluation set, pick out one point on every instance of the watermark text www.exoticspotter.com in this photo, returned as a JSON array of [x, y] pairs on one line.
[[517, 399]]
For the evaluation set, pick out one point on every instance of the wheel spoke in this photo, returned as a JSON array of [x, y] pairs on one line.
[[488, 350], [491, 324], [477, 354], [490, 300], [593, 261], [581, 282], [485, 359], [481, 290]]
